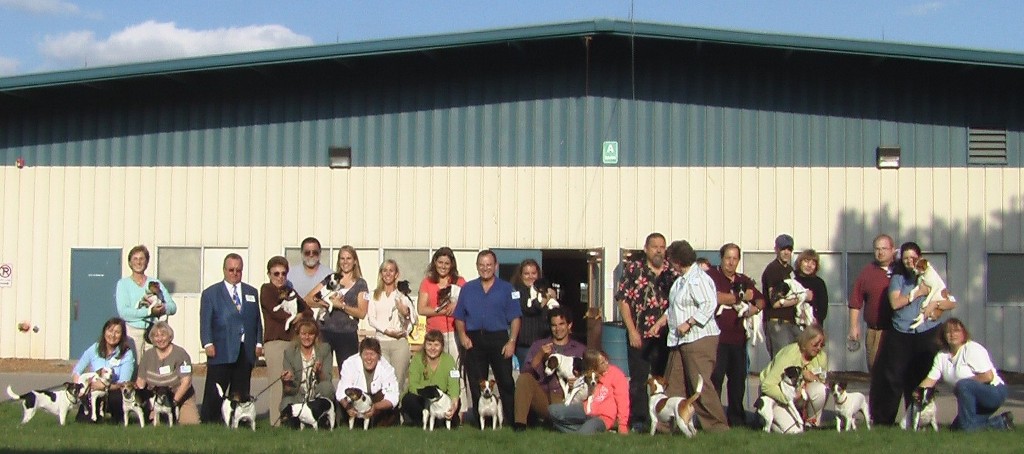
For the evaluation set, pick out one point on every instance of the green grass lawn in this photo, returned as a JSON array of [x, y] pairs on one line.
[[43, 434]]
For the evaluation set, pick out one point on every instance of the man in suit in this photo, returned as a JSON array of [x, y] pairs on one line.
[[232, 335]]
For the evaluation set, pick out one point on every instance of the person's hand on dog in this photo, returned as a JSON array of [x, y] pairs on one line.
[[97, 385], [809, 294], [158, 309], [211, 351], [923, 290]]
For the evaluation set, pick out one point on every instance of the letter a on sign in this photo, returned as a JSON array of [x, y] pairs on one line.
[[610, 152]]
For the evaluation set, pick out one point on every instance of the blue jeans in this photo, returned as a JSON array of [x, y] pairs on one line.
[[571, 418], [976, 403]]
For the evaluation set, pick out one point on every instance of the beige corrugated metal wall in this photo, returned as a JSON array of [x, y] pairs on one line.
[[963, 212]]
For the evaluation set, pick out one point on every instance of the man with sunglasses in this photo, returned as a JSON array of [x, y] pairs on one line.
[[311, 272]]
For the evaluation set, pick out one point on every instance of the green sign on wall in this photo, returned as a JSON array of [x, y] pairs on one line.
[[610, 152]]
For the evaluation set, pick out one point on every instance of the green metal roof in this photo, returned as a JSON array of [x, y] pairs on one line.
[[539, 32]]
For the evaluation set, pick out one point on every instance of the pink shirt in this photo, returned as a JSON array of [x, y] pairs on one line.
[[439, 322], [610, 400]]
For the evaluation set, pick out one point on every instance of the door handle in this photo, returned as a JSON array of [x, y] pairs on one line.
[[76, 310]]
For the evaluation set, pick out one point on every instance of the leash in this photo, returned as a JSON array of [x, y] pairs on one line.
[[257, 396]]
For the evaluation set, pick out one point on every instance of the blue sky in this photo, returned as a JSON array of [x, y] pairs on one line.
[[52, 35]]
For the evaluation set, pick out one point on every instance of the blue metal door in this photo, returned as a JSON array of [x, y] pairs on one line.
[[94, 275]]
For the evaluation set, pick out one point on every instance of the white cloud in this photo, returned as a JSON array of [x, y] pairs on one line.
[[924, 9], [8, 66], [40, 6], [153, 40]]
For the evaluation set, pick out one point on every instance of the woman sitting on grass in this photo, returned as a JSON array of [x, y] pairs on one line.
[[606, 408]]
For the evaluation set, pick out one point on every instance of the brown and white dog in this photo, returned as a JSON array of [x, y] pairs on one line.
[[96, 402], [582, 388], [669, 410], [792, 385], [361, 402], [132, 401], [564, 368], [927, 275], [489, 405], [153, 295], [753, 325], [57, 402], [848, 404], [161, 400], [922, 411]]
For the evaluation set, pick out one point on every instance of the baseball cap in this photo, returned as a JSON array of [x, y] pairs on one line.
[[784, 241]]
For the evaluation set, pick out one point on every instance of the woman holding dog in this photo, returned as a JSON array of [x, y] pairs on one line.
[[341, 325], [112, 352], [307, 366], [607, 407], [277, 339], [808, 354], [130, 292], [431, 366], [390, 316], [806, 272], [534, 323], [967, 367], [905, 354], [442, 273], [169, 365]]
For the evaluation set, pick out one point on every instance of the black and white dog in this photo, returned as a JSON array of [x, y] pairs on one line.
[[848, 404], [564, 368], [132, 401], [329, 290], [97, 397], [316, 413], [436, 406], [57, 402], [237, 408], [792, 385], [289, 304], [446, 296], [161, 399], [921, 412], [361, 403], [489, 405]]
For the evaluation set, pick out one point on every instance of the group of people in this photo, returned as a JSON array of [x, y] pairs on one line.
[[683, 321]]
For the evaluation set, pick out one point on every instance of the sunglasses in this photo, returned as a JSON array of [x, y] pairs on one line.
[[278, 273], [311, 253], [234, 270]]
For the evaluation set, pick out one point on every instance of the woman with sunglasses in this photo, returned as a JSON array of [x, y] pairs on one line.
[[276, 337]]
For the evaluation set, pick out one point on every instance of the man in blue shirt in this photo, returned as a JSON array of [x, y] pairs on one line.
[[487, 317]]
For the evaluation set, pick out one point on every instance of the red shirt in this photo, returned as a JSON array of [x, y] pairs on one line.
[[439, 322], [610, 400], [871, 295], [729, 322]]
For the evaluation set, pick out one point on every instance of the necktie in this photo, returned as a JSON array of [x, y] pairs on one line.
[[238, 302]]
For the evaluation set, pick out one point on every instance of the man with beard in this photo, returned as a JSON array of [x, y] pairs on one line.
[[306, 276], [642, 296]]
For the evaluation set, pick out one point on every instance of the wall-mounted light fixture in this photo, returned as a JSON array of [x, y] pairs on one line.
[[888, 157], [340, 157]]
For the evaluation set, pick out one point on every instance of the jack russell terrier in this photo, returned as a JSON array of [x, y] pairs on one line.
[[848, 404], [789, 289], [58, 403], [446, 296], [489, 405], [582, 388], [153, 295], [161, 401], [437, 406], [752, 325], [331, 289], [668, 410], [97, 404], [315, 413], [921, 412], [132, 401], [564, 368], [237, 409], [544, 294], [792, 386], [361, 402], [927, 275], [289, 304]]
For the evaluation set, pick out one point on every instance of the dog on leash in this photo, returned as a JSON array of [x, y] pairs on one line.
[[289, 304], [237, 408], [921, 412], [564, 368], [669, 410], [437, 405], [57, 402], [792, 385], [162, 402], [927, 275], [848, 404], [361, 402], [331, 289], [489, 405], [97, 405], [316, 413], [132, 401]]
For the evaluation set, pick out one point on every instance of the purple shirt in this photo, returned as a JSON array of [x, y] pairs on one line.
[[547, 383]]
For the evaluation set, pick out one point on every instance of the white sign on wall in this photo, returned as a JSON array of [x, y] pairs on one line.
[[6, 275]]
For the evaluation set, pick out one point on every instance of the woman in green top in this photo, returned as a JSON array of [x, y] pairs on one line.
[[431, 366], [808, 354]]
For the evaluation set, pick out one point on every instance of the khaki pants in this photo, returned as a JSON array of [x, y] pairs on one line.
[[397, 353], [273, 352], [137, 336], [188, 413], [685, 363], [531, 397], [871, 340]]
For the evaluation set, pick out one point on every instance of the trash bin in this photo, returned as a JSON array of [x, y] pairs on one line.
[[614, 343]]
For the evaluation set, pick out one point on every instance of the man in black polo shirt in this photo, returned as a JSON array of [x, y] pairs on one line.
[[780, 327]]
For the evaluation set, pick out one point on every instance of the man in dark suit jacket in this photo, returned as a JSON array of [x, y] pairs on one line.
[[232, 335]]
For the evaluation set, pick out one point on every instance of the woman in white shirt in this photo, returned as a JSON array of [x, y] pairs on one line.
[[966, 366], [389, 315]]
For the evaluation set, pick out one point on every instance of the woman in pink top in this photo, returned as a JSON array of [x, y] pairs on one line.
[[441, 274], [605, 408]]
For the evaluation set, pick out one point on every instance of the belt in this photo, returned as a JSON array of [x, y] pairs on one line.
[[780, 320]]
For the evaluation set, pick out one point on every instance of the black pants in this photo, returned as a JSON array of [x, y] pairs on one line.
[[234, 378], [903, 361], [112, 404], [412, 410], [486, 352], [732, 362], [650, 359], [344, 345]]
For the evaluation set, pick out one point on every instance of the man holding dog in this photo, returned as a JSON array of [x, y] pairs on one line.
[[870, 296], [780, 328], [535, 391], [642, 296], [232, 336], [487, 319]]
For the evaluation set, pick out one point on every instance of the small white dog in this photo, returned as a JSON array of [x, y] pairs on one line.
[[927, 275], [437, 406], [361, 403], [581, 388], [131, 402], [753, 325], [96, 404], [289, 304], [792, 386], [489, 405], [237, 408], [921, 412], [331, 289], [58, 402], [669, 410], [564, 368], [848, 404]]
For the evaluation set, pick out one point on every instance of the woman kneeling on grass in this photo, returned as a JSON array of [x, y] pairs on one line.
[[966, 366], [607, 406], [808, 354], [169, 365]]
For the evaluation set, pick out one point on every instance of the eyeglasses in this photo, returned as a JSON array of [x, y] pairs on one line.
[[234, 270], [278, 273], [311, 253]]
